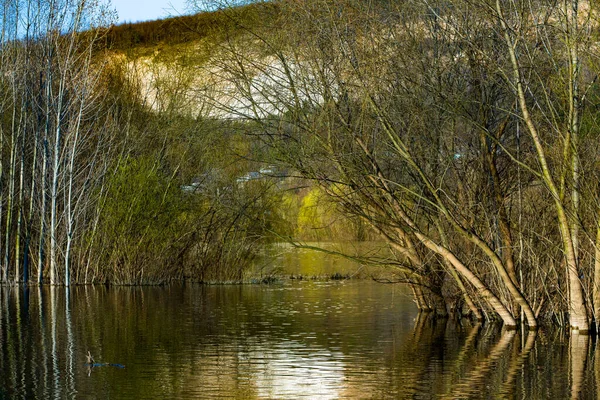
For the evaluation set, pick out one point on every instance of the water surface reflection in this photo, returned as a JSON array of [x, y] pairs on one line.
[[354, 339]]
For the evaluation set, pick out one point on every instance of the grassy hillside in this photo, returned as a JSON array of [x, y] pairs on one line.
[[164, 33]]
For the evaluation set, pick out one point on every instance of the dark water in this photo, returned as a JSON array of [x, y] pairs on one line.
[[353, 339]]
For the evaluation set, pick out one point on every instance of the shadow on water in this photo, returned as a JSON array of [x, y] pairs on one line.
[[303, 339]]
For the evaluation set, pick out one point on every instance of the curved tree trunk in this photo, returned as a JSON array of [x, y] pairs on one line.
[[462, 269]]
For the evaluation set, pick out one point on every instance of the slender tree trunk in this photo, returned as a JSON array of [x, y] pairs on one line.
[[54, 204], [469, 302], [70, 207], [30, 216], [577, 309], [21, 205], [4, 267], [501, 215], [573, 144], [43, 190], [11, 194], [419, 297], [596, 288]]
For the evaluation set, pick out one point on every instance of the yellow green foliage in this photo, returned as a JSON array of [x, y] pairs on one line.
[[140, 222], [317, 217], [310, 221]]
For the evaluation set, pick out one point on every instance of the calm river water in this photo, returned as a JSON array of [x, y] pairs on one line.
[[299, 339]]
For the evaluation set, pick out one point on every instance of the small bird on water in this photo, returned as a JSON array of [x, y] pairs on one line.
[[92, 363], [90, 359]]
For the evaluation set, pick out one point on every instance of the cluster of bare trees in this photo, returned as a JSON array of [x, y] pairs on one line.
[[54, 135], [463, 132]]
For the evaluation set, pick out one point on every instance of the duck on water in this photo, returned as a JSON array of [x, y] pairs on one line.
[[92, 363]]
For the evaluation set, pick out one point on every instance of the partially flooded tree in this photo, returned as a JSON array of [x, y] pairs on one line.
[[558, 28]]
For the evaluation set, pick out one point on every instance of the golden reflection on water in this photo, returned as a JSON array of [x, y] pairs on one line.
[[519, 357], [471, 384], [578, 351], [318, 340]]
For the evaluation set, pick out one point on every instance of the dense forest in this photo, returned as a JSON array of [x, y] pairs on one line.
[[461, 133]]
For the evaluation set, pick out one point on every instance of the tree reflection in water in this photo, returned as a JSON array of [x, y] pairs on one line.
[[303, 339]]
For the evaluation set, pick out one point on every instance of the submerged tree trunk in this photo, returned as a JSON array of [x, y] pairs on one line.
[[596, 287], [484, 292]]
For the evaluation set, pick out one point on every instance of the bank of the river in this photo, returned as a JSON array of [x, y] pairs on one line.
[[336, 261]]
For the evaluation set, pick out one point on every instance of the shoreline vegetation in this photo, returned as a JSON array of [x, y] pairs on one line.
[[462, 134]]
